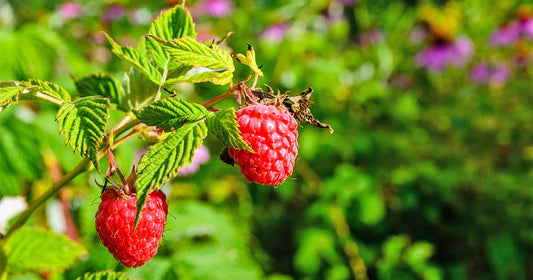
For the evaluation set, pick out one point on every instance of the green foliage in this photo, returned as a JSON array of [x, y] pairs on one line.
[[210, 244], [20, 158], [173, 23], [40, 250], [13, 91], [137, 60], [162, 160], [138, 90], [223, 125], [84, 124], [100, 84], [171, 113], [104, 275], [189, 52]]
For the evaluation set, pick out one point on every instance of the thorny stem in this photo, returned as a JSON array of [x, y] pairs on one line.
[[82, 166]]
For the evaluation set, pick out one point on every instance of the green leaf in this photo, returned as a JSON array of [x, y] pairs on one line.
[[223, 124], [139, 61], [138, 90], [104, 275], [189, 52], [41, 250], [50, 89], [84, 123], [9, 92], [13, 91], [20, 151], [171, 113], [173, 23], [162, 160], [100, 84]]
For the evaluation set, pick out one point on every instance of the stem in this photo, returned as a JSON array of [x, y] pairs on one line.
[[212, 102], [80, 168], [161, 84]]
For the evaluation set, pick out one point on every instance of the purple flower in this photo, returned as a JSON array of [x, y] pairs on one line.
[[495, 75], [480, 73], [527, 28], [371, 37], [217, 8], [513, 32], [437, 57], [276, 32], [201, 156], [112, 13], [70, 10]]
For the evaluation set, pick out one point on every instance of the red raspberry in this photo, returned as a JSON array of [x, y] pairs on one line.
[[114, 224], [272, 133]]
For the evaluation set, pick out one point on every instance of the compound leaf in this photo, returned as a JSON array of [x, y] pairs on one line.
[[84, 124], [139, 61], [187, 51], [162, 160], [171, 113]]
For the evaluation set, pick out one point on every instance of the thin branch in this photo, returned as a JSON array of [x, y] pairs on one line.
[[82, 166]]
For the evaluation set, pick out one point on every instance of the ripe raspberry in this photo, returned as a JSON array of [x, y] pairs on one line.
[[114, 224], [272, 133]]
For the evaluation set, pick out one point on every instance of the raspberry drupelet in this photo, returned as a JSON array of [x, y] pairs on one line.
[[272, 133]]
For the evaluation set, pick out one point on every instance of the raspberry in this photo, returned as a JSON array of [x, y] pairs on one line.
[[273, 135], [114, 224]]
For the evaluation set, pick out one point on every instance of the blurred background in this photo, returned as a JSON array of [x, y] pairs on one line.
[[427, 176]]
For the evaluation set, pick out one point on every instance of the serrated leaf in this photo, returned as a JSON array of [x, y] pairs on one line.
[[84, 124], [50, 89], [100, 84], [41, 250], [160, 56], [139, 61], [249, 60], [171, 113], [173, 23], [13, 91], [9, 92], [162, 160], [138, 90], [190, 52], [223, 124], [104, 275]]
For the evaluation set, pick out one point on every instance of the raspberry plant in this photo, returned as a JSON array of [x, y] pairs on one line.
[[265, 146]]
